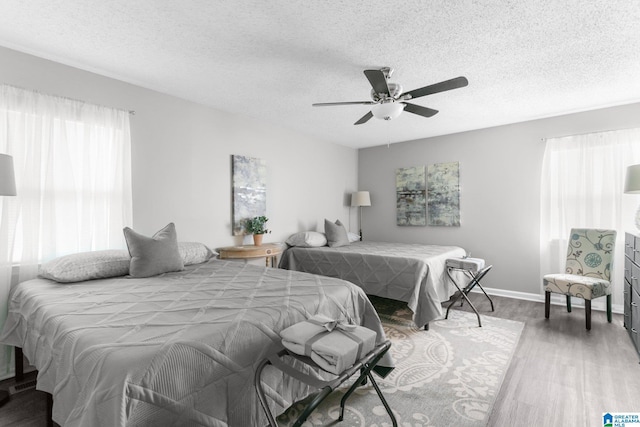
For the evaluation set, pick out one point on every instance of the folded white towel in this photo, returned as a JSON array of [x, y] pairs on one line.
[[339, 350], [297, 336], [332, 345]]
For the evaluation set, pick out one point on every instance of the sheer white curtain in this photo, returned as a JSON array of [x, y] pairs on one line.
[[582, 186], [73, 178]]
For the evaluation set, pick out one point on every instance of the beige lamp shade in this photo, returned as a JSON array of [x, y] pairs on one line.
[[632, 180], [7, 176], [360, 198]]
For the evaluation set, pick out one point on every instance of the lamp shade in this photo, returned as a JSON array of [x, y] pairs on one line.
[[360, 198], [7, 176], [387, 110], [632, 180]]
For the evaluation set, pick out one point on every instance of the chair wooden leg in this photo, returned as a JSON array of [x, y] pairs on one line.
[[609, 308], [569, 303], [49, 410], [19, 364], [587, 312], [547, 304]]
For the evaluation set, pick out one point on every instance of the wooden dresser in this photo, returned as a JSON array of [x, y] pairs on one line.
[[632, 287]]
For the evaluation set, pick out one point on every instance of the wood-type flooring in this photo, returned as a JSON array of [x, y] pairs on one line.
[[561, 374]]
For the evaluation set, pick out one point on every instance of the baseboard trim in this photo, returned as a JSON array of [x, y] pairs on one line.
[[556, 299]]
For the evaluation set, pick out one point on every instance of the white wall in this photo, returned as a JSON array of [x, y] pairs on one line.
[[181, 160], [500, 190], [181, 157]]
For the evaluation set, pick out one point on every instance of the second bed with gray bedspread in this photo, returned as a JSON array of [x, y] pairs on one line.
[[412, 273]]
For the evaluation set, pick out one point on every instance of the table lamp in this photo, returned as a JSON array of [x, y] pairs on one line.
[[360, 199]]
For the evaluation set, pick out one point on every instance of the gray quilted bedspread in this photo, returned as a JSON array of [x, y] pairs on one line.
[[407, 272], [179, 349]]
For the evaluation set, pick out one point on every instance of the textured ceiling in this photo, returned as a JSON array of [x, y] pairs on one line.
[[273, 59]]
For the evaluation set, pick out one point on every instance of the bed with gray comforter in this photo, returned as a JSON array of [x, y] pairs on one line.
[[178, 349], [412, 273]]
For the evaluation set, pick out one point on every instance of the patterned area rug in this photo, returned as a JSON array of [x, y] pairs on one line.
[[447, 376]]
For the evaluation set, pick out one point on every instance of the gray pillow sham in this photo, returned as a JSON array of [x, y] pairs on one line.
[[153, 255], [336, 234], [86, 266]]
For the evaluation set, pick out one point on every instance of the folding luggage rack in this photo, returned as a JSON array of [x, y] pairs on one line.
[[475, 269], [364, 365]]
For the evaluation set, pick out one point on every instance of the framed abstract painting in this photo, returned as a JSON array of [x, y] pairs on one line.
[[249, 190], [443, 194], [411, 204]]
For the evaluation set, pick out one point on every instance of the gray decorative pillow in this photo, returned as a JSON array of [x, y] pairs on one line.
[[336, 233], [86, 266], [153, 255], [194, 253]]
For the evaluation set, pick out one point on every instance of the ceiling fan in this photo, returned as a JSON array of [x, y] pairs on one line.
[[388, 100]]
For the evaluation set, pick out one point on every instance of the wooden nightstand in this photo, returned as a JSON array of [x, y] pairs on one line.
[[269, 251]]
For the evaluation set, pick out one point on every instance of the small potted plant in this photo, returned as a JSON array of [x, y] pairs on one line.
[[256, 226]]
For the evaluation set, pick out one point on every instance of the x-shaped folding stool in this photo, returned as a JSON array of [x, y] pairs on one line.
[[364, 365], [473, 268]]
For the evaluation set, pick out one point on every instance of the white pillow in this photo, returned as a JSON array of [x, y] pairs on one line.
[[87, 266], [353, 237], [194, 252], [307, 239]]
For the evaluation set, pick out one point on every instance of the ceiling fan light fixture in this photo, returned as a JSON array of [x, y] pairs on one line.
[[387, 110], [388, 99]]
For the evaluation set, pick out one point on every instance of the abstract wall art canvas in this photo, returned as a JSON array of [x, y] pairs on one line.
[[249, 190], [411, 202], [443, 195]]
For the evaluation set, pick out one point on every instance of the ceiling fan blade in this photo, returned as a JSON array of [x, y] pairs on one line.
[[378, 81], [419, 110], [364, 119], [438, 87], [326, 104]]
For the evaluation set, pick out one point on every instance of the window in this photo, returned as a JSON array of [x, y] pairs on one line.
[[73, 174], [73, 179], [582, 187]]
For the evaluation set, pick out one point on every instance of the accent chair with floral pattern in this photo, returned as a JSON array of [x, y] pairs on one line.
[[588, 270]]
